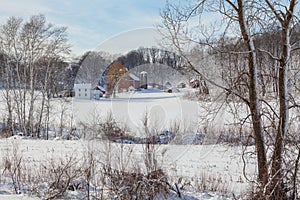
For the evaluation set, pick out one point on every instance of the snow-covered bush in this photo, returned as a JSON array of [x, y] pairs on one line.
[[132, 185]]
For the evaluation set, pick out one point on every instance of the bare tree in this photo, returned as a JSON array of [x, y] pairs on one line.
[[91, 67], [285, 19]]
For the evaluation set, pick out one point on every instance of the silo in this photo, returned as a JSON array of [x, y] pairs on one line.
[[143, 80]]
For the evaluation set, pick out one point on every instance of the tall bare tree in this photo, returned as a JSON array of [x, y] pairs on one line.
[[244, 19], [285, 16]]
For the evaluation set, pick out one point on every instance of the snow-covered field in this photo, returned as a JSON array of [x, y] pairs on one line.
[[220, 165], [130, 108]]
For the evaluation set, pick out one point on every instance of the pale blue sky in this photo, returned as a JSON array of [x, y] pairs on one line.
[[89, 22]]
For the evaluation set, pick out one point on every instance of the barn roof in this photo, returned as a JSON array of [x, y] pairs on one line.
[[83, 85], [134, 77], [98, 87]]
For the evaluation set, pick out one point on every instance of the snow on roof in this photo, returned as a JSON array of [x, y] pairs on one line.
[[134, 77], [143, 72], [101, 88]]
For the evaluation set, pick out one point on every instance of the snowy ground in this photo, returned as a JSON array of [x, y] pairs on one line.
[[220, 164]]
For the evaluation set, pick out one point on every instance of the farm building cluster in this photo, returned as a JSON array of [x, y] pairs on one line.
[[127, 82], [116, 79]]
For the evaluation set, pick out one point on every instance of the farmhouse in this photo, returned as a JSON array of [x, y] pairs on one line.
[[83, 91]]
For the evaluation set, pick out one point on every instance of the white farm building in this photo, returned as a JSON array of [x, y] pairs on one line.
[[83, 91]]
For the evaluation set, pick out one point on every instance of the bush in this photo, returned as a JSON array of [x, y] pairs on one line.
[[130, 185]]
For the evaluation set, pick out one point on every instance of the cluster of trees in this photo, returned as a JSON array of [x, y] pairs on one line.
[[254, 53], [32, 69], [151, 56]]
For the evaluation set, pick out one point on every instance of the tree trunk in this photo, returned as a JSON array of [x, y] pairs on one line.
[[32, 99], [277, 160], [253, 98], [277, 188], [8, 99], [41, 115]]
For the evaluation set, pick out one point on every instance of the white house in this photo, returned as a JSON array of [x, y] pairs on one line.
[[83, 91]]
